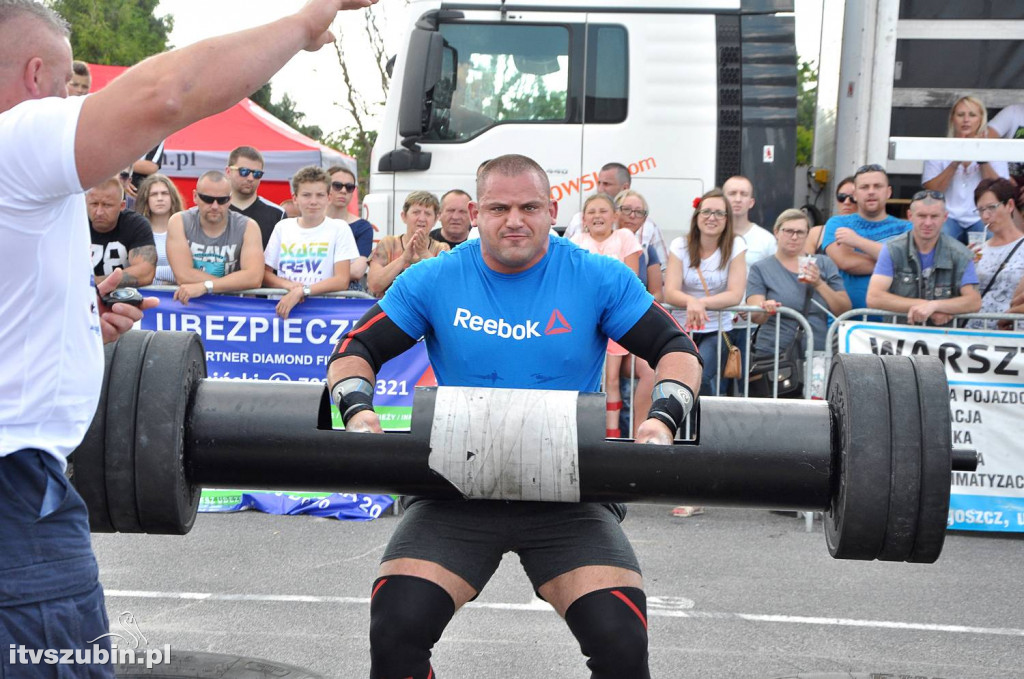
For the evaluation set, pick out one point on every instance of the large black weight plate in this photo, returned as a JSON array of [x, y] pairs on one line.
[[856, 520], [905, 483], [174, 365], [936, 458], [89, 458], [212, 666], [122, 400]]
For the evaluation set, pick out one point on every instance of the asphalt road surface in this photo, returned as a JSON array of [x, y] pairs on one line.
[[732, 593]]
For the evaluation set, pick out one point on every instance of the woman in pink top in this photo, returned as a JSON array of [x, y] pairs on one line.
[[600, 237]]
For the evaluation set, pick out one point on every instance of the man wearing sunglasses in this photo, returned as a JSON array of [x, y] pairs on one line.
[[212, 248], [925, 273], [853, 241], [244, 171]]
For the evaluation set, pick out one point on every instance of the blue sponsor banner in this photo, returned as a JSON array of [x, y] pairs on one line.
[[245, 339], [344, 506], [986, 512]]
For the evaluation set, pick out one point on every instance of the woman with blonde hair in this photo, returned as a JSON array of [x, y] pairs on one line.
[[968, 119], [157, 199], [633, 212], [814, 290], [600, 237]]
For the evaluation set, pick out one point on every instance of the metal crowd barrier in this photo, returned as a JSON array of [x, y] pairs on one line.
[[266, 292], [832, 339], [750, 326]]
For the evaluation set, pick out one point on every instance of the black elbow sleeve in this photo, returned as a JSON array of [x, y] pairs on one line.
[[657, 333], [375, 338]]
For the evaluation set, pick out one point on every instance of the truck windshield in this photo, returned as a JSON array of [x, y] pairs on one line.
[[499, 73]]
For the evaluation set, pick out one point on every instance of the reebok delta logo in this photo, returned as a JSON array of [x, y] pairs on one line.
[[464, 318], [557, 324]]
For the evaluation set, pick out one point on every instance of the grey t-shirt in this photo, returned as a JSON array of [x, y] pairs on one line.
[[217, 256], [769, 278]]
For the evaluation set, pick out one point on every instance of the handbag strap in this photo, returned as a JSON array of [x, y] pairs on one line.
[[803, 312], [707, 293], [700, 274], [992, 280]]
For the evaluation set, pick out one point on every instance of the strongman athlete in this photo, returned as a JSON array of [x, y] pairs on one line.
[[558, 305]]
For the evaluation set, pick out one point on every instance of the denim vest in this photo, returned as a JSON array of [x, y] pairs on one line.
[[951, 260]]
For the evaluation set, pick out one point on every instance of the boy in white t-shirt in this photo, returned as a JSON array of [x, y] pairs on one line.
[[309, 254]]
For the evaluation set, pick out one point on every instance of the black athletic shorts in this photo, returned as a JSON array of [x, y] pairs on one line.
[[469, 537]]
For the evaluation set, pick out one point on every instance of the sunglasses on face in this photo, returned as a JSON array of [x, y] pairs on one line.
[[245, 172], [843, 197], [210, 200], [339, 186]]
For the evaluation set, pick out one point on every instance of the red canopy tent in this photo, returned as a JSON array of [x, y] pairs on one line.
[[205, 145]]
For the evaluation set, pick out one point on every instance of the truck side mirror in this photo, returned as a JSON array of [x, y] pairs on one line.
[[422, 73]]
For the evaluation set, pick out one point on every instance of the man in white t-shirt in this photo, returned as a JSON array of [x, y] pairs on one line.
[[739, 193], [613, 179], [310, 254], [51, 338]]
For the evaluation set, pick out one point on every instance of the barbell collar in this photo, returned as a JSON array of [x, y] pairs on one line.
[[965, 460]]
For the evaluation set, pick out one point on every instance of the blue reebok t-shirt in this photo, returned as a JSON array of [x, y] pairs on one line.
[[856, 285], [543, 328], [884, 266]]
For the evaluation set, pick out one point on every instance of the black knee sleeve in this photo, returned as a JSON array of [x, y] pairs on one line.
[[407, 616], [611, 626]]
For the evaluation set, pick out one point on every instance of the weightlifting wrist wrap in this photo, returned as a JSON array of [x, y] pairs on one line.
[[352, 395], [672, 401]]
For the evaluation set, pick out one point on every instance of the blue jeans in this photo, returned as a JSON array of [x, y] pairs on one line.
[[50, 596], [707, 345], [953, 228]]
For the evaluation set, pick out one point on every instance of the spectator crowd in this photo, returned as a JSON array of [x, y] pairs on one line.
[[959, 250]]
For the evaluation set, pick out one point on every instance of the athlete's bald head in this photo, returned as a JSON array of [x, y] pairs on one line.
[[510, 165], [35, 55]]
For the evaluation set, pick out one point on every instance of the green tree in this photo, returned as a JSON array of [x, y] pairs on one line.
[[357, 139], [115, 32], [285, 111], [806, 103]]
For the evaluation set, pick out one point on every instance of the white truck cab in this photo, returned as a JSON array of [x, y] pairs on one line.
[[684, 92]]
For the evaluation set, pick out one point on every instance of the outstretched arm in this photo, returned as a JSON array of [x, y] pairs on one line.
[[169, 91]]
